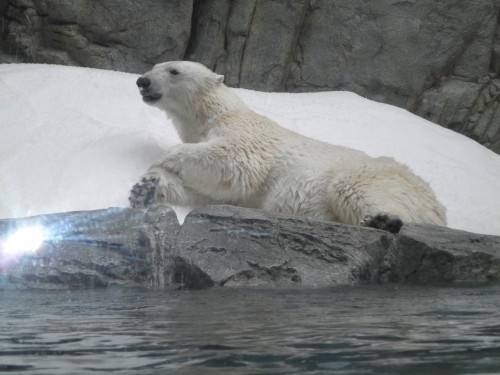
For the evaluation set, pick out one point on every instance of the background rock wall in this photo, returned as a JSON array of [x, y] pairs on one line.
[[438, 59]]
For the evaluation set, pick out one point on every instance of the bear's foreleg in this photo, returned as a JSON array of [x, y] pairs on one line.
[[193, 174], [213, 169]]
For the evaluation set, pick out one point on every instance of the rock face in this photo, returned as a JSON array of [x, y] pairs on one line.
[[439, 59], [426, 254], [232, 246], [107, 34], [88, 249]]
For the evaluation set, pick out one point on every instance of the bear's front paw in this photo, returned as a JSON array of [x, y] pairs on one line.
[[143, 193]]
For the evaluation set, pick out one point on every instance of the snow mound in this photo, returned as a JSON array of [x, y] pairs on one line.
[[78, 138]]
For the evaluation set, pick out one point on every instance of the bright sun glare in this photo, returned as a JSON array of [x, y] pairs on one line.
[[24, 240]]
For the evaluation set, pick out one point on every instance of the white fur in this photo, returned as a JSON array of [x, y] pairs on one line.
[[235, 156]]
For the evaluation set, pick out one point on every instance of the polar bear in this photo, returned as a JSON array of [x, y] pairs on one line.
[[232, 155]]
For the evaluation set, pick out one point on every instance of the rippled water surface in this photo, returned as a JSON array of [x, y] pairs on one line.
[[350, 330]]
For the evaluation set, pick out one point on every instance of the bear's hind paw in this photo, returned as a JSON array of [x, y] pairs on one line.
[[143, 193], [383, 221]]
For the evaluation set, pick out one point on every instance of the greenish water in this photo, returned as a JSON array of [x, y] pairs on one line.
[[350, 330]]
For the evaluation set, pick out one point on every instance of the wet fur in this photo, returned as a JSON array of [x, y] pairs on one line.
[[233, 155]]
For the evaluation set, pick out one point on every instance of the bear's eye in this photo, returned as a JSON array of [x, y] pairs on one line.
[[174, 72]]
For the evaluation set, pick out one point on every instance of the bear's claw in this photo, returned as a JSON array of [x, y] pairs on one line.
[[142, 193]]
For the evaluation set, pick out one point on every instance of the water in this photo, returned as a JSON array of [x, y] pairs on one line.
[[350, 330]]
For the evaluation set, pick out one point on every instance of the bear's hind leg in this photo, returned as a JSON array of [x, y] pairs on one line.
[[359, 196], [385, 222]]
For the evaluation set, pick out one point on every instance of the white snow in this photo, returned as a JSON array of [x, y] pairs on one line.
[[78, 139]]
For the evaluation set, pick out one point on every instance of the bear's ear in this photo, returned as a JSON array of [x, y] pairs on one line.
[[219, 78]]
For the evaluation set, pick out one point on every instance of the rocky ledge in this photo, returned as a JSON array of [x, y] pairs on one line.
[[233, 246]]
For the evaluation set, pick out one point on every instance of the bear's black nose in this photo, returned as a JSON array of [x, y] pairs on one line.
[[143, 82]]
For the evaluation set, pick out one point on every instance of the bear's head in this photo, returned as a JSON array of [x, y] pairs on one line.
[[191, 94], [171, 84]]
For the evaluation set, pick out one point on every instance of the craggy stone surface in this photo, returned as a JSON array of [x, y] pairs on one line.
[[429, 254], [439, 59], [89, 249], [231, 246], [121, 35], [234, 246]]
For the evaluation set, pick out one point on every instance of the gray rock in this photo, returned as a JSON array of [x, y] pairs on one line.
[[436, 254], [271, 47], [121, 35], [233, 246], [207, 40], [469, 108], [89, 249]]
